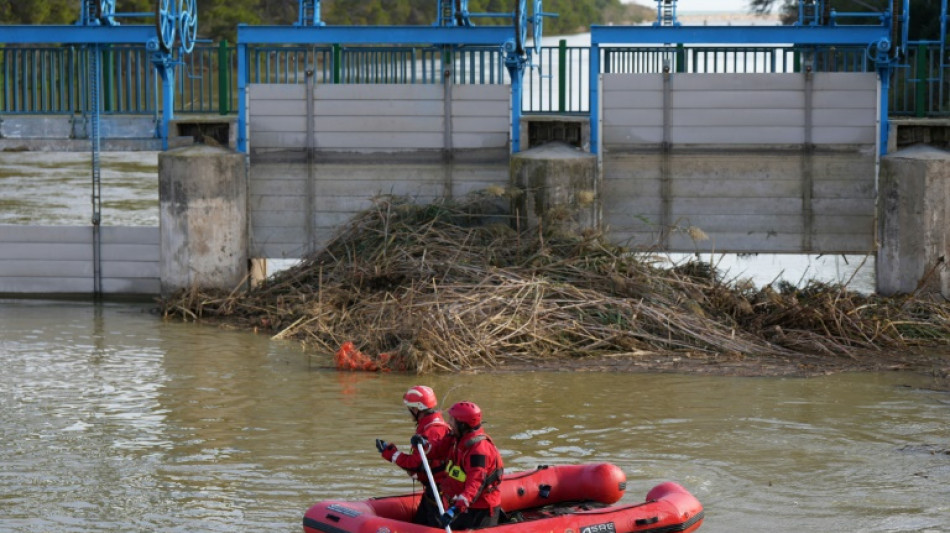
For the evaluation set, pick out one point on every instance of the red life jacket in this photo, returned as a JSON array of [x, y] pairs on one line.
[[434, 429], [474, 470]]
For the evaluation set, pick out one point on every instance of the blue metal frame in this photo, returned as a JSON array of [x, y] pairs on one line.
[[308, 13], [875, 38], [70, 34], [104, 34], [803, 35], [813, 16], [390, 35], [666, 13], [395, 35], [456, 13]]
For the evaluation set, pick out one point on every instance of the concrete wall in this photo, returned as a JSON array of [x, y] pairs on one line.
[[915, 222], [67, 133], [767, 200], [202, 195], [558, 183], [758, 163], [422, 141], [118, 133], [739, 109], [280, 209], [378, 118], [58, 260]]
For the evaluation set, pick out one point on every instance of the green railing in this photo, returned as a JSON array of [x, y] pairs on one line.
[[560, 84], [51, 80], [922, 87]]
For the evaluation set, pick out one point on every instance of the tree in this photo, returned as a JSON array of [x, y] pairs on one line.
[[924, 14], [39, 12], [218, 20]]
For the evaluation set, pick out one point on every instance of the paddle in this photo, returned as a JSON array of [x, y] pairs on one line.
[[435, 490]]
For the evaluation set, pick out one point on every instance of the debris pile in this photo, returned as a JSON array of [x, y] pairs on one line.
[[453, 286]]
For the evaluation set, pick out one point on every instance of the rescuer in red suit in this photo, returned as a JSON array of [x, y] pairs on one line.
[[430, 427], [473, 469], [472, 473]]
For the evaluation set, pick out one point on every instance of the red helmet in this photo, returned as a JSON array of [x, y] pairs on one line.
[[420, 397], [467, 413]]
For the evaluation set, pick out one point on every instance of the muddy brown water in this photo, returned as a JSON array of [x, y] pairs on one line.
[[113, 420]]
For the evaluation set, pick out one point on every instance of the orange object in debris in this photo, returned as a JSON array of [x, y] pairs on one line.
[[349, 358]]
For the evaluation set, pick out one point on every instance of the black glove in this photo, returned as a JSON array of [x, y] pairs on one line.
[[381, 445], [416, 440], [448, 516]]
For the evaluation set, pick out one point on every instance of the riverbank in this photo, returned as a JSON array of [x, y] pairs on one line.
[[452, 287]]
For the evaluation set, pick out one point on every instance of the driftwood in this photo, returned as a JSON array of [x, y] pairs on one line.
[[451, 286]]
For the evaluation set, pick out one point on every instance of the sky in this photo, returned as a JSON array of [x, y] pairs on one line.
[[740, 6]]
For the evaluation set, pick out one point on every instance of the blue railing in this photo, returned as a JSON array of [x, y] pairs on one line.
[[50, 80], [41, 80]]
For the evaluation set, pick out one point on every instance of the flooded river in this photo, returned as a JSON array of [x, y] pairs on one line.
[[115, 421]]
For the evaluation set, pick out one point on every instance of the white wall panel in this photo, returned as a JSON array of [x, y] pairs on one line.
[[379, 124], [53, 260], [378, 118], [737, 167], [739, 109]]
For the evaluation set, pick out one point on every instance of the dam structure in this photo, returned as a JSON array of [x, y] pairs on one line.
[[766, 139]]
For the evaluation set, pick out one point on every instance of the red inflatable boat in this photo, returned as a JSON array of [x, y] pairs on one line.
[[571, 498]]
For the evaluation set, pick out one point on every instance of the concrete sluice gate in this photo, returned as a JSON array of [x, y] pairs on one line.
[[669, 161], [687, 177]]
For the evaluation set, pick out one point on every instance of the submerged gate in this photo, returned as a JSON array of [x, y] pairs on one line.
[[741, 162], [320, 153]]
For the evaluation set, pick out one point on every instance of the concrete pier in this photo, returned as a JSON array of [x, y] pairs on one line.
[[914, 222], [202, 218], [559, 187]]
